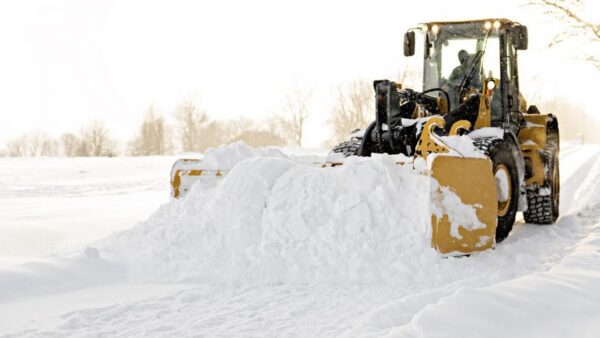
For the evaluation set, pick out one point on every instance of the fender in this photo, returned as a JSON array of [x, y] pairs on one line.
[[533, 139]]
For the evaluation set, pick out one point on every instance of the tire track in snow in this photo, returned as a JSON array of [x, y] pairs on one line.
[[565, 292], [568, 149], [584, 161]]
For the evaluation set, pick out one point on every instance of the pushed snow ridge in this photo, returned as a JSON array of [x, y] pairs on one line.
[[273, 220]]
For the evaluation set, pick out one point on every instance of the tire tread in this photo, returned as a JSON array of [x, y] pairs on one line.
[[348, 148]]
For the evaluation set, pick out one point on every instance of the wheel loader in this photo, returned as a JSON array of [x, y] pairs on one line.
[[469, 88]]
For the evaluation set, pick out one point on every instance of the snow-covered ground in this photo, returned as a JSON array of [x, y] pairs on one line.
[[277, 250], [53, 206]]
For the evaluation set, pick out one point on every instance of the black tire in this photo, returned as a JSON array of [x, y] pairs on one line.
[[543, 203], [500, 153], [348, 148]]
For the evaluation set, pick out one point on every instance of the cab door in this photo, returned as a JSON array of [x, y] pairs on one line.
[[510, 81]]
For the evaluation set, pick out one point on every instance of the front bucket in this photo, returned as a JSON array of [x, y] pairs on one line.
[[186, 172], [471, 179]]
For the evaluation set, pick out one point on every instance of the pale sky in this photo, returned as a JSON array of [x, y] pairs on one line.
[[64, 63]]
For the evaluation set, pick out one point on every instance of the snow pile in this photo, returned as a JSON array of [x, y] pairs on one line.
[[226, 157], [271, 220]]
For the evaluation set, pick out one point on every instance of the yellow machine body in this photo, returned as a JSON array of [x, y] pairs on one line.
[[532, 139]]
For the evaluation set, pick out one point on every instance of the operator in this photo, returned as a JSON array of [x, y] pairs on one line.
[[459, 73], [469, 108]]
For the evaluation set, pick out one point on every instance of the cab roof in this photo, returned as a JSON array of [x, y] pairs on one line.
[[442, 23]]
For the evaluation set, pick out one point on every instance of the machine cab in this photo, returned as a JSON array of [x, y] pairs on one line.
[[473, 57]]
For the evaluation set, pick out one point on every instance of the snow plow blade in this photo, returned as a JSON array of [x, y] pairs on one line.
[[186, 172], [471, 179]]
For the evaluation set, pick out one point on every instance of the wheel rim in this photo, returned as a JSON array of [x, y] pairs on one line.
[[503, 189]]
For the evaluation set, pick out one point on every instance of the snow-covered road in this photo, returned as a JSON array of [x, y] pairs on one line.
[[542, 281]]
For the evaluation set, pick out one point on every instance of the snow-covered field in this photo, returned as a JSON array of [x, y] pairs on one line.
[[279, 249]]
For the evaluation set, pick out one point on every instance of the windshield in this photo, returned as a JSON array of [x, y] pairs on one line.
[[461, 55]]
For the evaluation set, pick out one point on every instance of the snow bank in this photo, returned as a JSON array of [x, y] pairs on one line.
[[564, 302], [272, 220], [36, 278], [226, 157]]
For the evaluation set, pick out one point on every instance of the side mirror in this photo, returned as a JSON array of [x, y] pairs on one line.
[[409, 44], [520, 39]]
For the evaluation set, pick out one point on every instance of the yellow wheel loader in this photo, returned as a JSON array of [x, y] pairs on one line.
[[469, 87]]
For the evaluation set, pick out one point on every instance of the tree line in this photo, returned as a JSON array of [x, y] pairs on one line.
[[92, 140], [191, 129]]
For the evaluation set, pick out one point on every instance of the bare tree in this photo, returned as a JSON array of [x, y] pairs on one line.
[[211, 135], [196, 132], [189, 119], [35, 143], [40, 144], [232, 129], [96, 141], [290, 123], [83, 148], [17, 147], [153, 137], [252, 133], [260, 138], [568, 11], [69, 144], [49, 147], [353, 109]]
